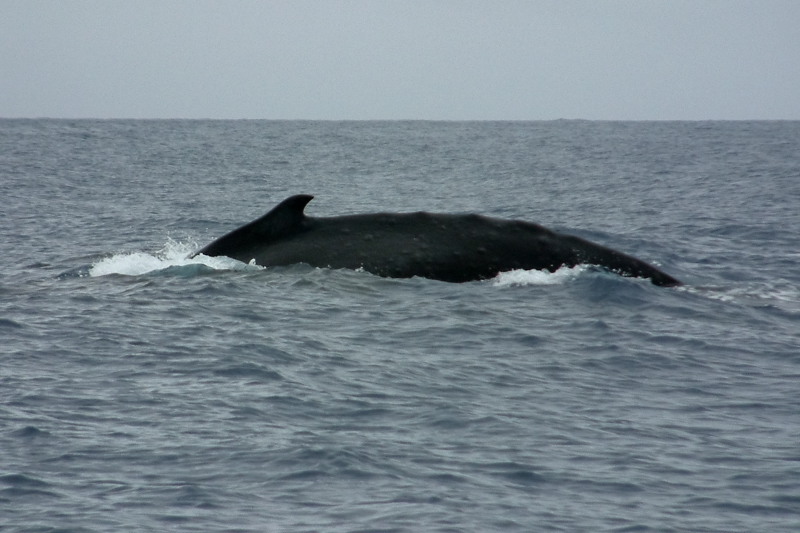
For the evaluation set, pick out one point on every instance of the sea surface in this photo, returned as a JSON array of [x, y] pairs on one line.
[[143, 391]]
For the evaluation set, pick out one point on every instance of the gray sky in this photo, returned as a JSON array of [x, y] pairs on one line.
[[384, 59]]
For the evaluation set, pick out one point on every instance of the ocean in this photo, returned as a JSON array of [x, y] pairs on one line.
[[143, 391]]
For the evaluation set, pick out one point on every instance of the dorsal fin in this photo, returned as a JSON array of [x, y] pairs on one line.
[[283, 218]]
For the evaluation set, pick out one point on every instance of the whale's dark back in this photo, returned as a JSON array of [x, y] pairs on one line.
[[455, 248]]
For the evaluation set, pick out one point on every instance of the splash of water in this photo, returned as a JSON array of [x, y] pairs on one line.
[[515, 278], [172, 254]]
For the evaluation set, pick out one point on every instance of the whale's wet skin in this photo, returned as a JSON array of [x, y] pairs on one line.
[[445, 247]]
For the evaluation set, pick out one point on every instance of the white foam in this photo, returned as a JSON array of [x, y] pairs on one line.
[[777, 292], [173, 254], [514, 278]]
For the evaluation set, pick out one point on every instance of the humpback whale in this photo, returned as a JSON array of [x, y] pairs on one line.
[[446, 247]]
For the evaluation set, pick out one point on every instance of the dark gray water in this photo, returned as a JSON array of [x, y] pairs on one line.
[[140, 391]]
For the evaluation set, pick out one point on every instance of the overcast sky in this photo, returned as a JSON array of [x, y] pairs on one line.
[[384, 59]]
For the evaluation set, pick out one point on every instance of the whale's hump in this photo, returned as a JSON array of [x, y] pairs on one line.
[[446, 247]]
